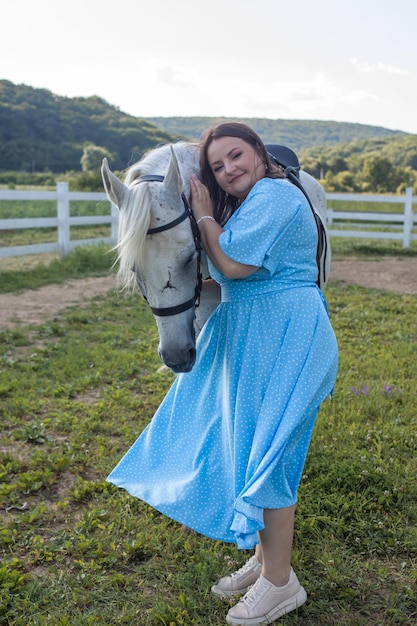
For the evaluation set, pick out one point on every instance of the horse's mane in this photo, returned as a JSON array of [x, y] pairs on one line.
[[134, 218]]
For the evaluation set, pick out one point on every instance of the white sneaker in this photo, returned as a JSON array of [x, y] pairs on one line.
[[240, 581], [264, 602]]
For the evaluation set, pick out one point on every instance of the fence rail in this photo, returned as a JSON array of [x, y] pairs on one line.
[[398, 226], [353, 223], [62, 222]]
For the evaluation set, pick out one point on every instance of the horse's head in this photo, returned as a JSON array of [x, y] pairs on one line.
[[158, 245]]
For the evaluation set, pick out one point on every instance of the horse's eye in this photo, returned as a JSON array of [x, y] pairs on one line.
[[190, 259]]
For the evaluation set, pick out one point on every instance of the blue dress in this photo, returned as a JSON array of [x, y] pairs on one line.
[[231, 436]]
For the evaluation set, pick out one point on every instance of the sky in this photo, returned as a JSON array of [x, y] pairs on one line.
[[350, 61]]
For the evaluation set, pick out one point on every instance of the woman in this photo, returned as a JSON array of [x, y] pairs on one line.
[[225, 451]]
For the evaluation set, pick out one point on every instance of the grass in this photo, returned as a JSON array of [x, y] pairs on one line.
[[12, 209], [34, 271], [76, 391], [367, 206]]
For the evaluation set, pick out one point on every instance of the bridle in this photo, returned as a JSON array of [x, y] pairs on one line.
[[195, 300]]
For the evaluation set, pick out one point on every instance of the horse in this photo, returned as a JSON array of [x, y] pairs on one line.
[[159, 246]]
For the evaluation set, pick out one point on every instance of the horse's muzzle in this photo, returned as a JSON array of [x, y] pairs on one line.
[[182, 365]]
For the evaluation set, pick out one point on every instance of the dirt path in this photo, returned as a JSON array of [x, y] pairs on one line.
[[36, 306], [393, 274]]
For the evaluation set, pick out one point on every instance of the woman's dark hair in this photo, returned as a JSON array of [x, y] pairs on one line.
[[224, 205]]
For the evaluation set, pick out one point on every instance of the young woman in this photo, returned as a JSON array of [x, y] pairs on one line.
[[225, 451]]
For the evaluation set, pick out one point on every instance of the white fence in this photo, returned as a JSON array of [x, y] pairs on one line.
[[62, 222], [347, 223], [354, 223]]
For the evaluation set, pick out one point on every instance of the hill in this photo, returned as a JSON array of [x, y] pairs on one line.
[[343, 156], [40, 131], [400, 150], [297, 134]]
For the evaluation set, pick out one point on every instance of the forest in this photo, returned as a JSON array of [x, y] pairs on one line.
[[43, 136], [40, 131]]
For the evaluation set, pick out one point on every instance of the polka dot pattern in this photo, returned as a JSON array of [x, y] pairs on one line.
[[231, 436]]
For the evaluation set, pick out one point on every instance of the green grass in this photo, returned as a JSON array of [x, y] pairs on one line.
[[366, 206], [12, 209], [370, 249], [35, 271], [76, 391], [33, 236]]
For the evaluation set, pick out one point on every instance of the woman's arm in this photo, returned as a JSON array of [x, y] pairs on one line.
[[210, 231]]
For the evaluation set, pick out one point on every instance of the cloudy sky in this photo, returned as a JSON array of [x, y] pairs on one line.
[[350, 61]]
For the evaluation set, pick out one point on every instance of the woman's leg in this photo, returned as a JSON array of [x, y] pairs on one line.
[[258, 553], [276, 544], [273, 556], [277, 591]]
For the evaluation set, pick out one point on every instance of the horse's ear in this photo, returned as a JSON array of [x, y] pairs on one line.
[[173, 178], [116, 191]]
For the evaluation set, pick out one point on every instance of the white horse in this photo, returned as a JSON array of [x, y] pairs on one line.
[[159, 246]]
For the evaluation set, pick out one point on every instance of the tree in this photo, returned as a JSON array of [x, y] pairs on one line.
[[379, 174], [408, 179], [345, 182], [93, 156]]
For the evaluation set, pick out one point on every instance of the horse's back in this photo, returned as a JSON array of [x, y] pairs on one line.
[[315, 192]]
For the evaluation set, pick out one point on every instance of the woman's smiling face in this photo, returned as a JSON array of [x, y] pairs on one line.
[[236, 165]]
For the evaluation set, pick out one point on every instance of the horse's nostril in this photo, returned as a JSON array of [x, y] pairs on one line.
[[192, 353]]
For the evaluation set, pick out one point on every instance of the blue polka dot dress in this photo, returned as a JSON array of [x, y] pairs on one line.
[[231, 436]]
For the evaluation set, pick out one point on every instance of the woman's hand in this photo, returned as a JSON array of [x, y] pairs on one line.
[[200, 198], [210, 230]]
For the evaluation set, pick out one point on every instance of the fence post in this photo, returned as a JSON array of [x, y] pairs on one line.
[[329, 216], [63, 214], [408, 217]]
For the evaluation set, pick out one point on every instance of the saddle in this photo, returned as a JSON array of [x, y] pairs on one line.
[[288, 161]]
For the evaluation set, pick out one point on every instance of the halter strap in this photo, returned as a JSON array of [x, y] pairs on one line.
[[149, 178], [160, 229], [173, 310]]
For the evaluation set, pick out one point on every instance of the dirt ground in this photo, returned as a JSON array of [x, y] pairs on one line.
[[37, 306]]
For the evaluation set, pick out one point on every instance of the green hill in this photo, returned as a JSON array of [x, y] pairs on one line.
[[400, 150], [343, 156], [42, 132], [297, 134]]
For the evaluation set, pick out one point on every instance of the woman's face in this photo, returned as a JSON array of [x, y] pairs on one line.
[[236, 165]]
